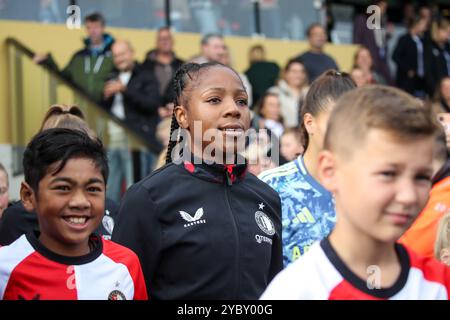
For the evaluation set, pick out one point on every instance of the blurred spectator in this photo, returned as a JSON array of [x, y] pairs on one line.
[[4, 189], [163, 63], [409, 57], [442, 97], [212, 49], [437, 55], [269, 110], [315, 60], [292, 89], [89, 67], [291, 145], [363, 61], [227, 60], [132, 95], [375, 39], [262, 74], [359, 77]]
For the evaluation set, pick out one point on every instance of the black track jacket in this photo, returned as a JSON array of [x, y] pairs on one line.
[[203, 232]]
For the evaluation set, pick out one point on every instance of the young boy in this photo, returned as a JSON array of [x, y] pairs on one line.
[[65, 181], [377, 162]]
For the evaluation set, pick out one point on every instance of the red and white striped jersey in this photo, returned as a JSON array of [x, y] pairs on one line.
[[29, 271], [321, 275]]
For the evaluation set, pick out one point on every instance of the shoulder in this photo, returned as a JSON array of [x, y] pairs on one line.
[[119, 253], [14, 212], [329, 58], [429, 269], [302, 279], [254, 181], [284, 171], [80, 53], [158, 182], [161, 176], [305, 55], [15, 222]]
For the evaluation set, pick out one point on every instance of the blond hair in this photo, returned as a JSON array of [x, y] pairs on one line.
[[377, 107], [69, 117], [442, 235]]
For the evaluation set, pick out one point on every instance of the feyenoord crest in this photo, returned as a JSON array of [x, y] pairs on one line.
[[264, 223], [116, 295]]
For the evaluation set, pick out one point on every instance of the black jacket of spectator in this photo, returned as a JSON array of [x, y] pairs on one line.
[[366, 37], [168, 94], [405, 56], [317, 63], [17, 221], [141, 102], [435, 65]]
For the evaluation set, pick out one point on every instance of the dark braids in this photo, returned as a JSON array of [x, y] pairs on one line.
[[184, 75]]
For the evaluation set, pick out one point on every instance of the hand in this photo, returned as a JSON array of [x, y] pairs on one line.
[[113, 87], [39, 57]]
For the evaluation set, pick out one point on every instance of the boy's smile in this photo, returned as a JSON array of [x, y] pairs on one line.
[[70, 206]]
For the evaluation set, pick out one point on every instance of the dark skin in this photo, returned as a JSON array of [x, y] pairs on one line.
[[217, 99]]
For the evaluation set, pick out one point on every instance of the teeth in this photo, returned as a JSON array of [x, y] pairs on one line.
[[77, 220]]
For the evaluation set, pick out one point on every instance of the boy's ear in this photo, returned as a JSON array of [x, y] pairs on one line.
[[444, 256], [27, 196], [326, 170], [308, 121], [181, 116]]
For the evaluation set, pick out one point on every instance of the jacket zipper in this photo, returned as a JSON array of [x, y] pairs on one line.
[[236, 237]]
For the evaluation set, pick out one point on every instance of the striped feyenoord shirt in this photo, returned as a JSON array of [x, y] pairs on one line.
[[29, 271], [320, 275]]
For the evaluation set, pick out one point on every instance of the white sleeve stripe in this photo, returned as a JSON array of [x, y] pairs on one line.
[[99, 278], [10, 257]]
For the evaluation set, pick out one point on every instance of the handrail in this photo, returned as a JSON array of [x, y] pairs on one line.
[[28, 52]]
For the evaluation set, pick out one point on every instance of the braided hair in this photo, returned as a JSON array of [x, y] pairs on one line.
[[184, 75]]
